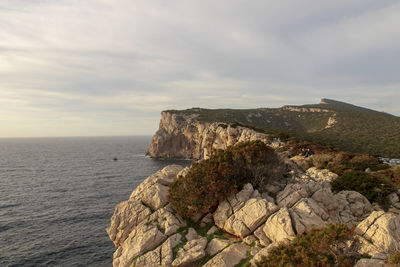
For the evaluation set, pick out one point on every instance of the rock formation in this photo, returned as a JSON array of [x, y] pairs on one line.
[[244, 227], [183, 136]]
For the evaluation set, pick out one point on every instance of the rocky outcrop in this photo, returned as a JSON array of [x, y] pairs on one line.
[[191, 252], [380, 233], [242, 213], [244, 227], [146, 220], [229, 256], [183, 136]]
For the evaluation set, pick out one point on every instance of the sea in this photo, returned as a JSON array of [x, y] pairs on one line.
[[57, 196]]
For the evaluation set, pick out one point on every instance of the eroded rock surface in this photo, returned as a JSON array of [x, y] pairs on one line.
[[191, 252], [278, 227], [182, 136], [241, 214], [230, 256], [380, 233], [147, 231]]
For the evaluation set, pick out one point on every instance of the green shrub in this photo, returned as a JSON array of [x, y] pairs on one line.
[[319, 247], [373, 188], [341, 162], [212, 180]]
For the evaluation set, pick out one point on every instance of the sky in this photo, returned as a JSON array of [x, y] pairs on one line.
[[109, 67]]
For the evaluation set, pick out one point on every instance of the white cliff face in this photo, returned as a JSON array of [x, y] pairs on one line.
[[183, 136]]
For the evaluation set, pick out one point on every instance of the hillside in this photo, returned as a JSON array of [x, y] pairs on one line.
[[348, 127]]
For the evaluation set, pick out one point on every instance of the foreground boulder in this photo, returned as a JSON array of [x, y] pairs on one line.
[[242, 213], [380, 233]]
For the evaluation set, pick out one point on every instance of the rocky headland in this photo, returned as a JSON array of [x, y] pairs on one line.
[[245, 227]]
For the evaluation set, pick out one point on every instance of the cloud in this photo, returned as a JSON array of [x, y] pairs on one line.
[[102, 62]]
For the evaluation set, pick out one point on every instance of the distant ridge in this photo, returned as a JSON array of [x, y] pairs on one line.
[[349, 127]]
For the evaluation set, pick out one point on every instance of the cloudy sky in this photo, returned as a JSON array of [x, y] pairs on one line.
[[108, 67]]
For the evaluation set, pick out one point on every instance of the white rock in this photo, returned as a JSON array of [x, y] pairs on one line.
[[232, 204], [165, 220], [278, 227], [308, 214], [191, 235], [216, 245], [294, 192], [192, 251], [153, 191], [142, 239], [352, 206], [249, 217], [260, 234], [321, 176], [230, 256], [127, 215], [380, 233]]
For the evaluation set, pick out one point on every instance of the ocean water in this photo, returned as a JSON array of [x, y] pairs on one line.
[[57, 196]]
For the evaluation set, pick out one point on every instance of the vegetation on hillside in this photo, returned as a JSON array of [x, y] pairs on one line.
[[212, 180], [373, 188], [356, 129], [329, 246]]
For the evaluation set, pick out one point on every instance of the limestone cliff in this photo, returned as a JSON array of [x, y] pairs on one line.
[[183, 136]]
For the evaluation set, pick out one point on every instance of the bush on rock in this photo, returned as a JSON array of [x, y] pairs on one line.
[[212, 180], [328, 246]]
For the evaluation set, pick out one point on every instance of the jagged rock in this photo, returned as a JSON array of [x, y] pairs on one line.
[[380, 233], [191, 235], [249, 217], [278, 227], [345, 207], [260, 234], [192, 251], [294, 192], [161, 256], [308, 214], [166, 221], [216, 245], [321, 176], [394, 200], [212, 230], [153, 191], [262, 253], [369, 263], [127, 215], [182, 136], [142, 239], [151, 259], [229, 256], [352, 206], [240, 215], [232, 204]]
